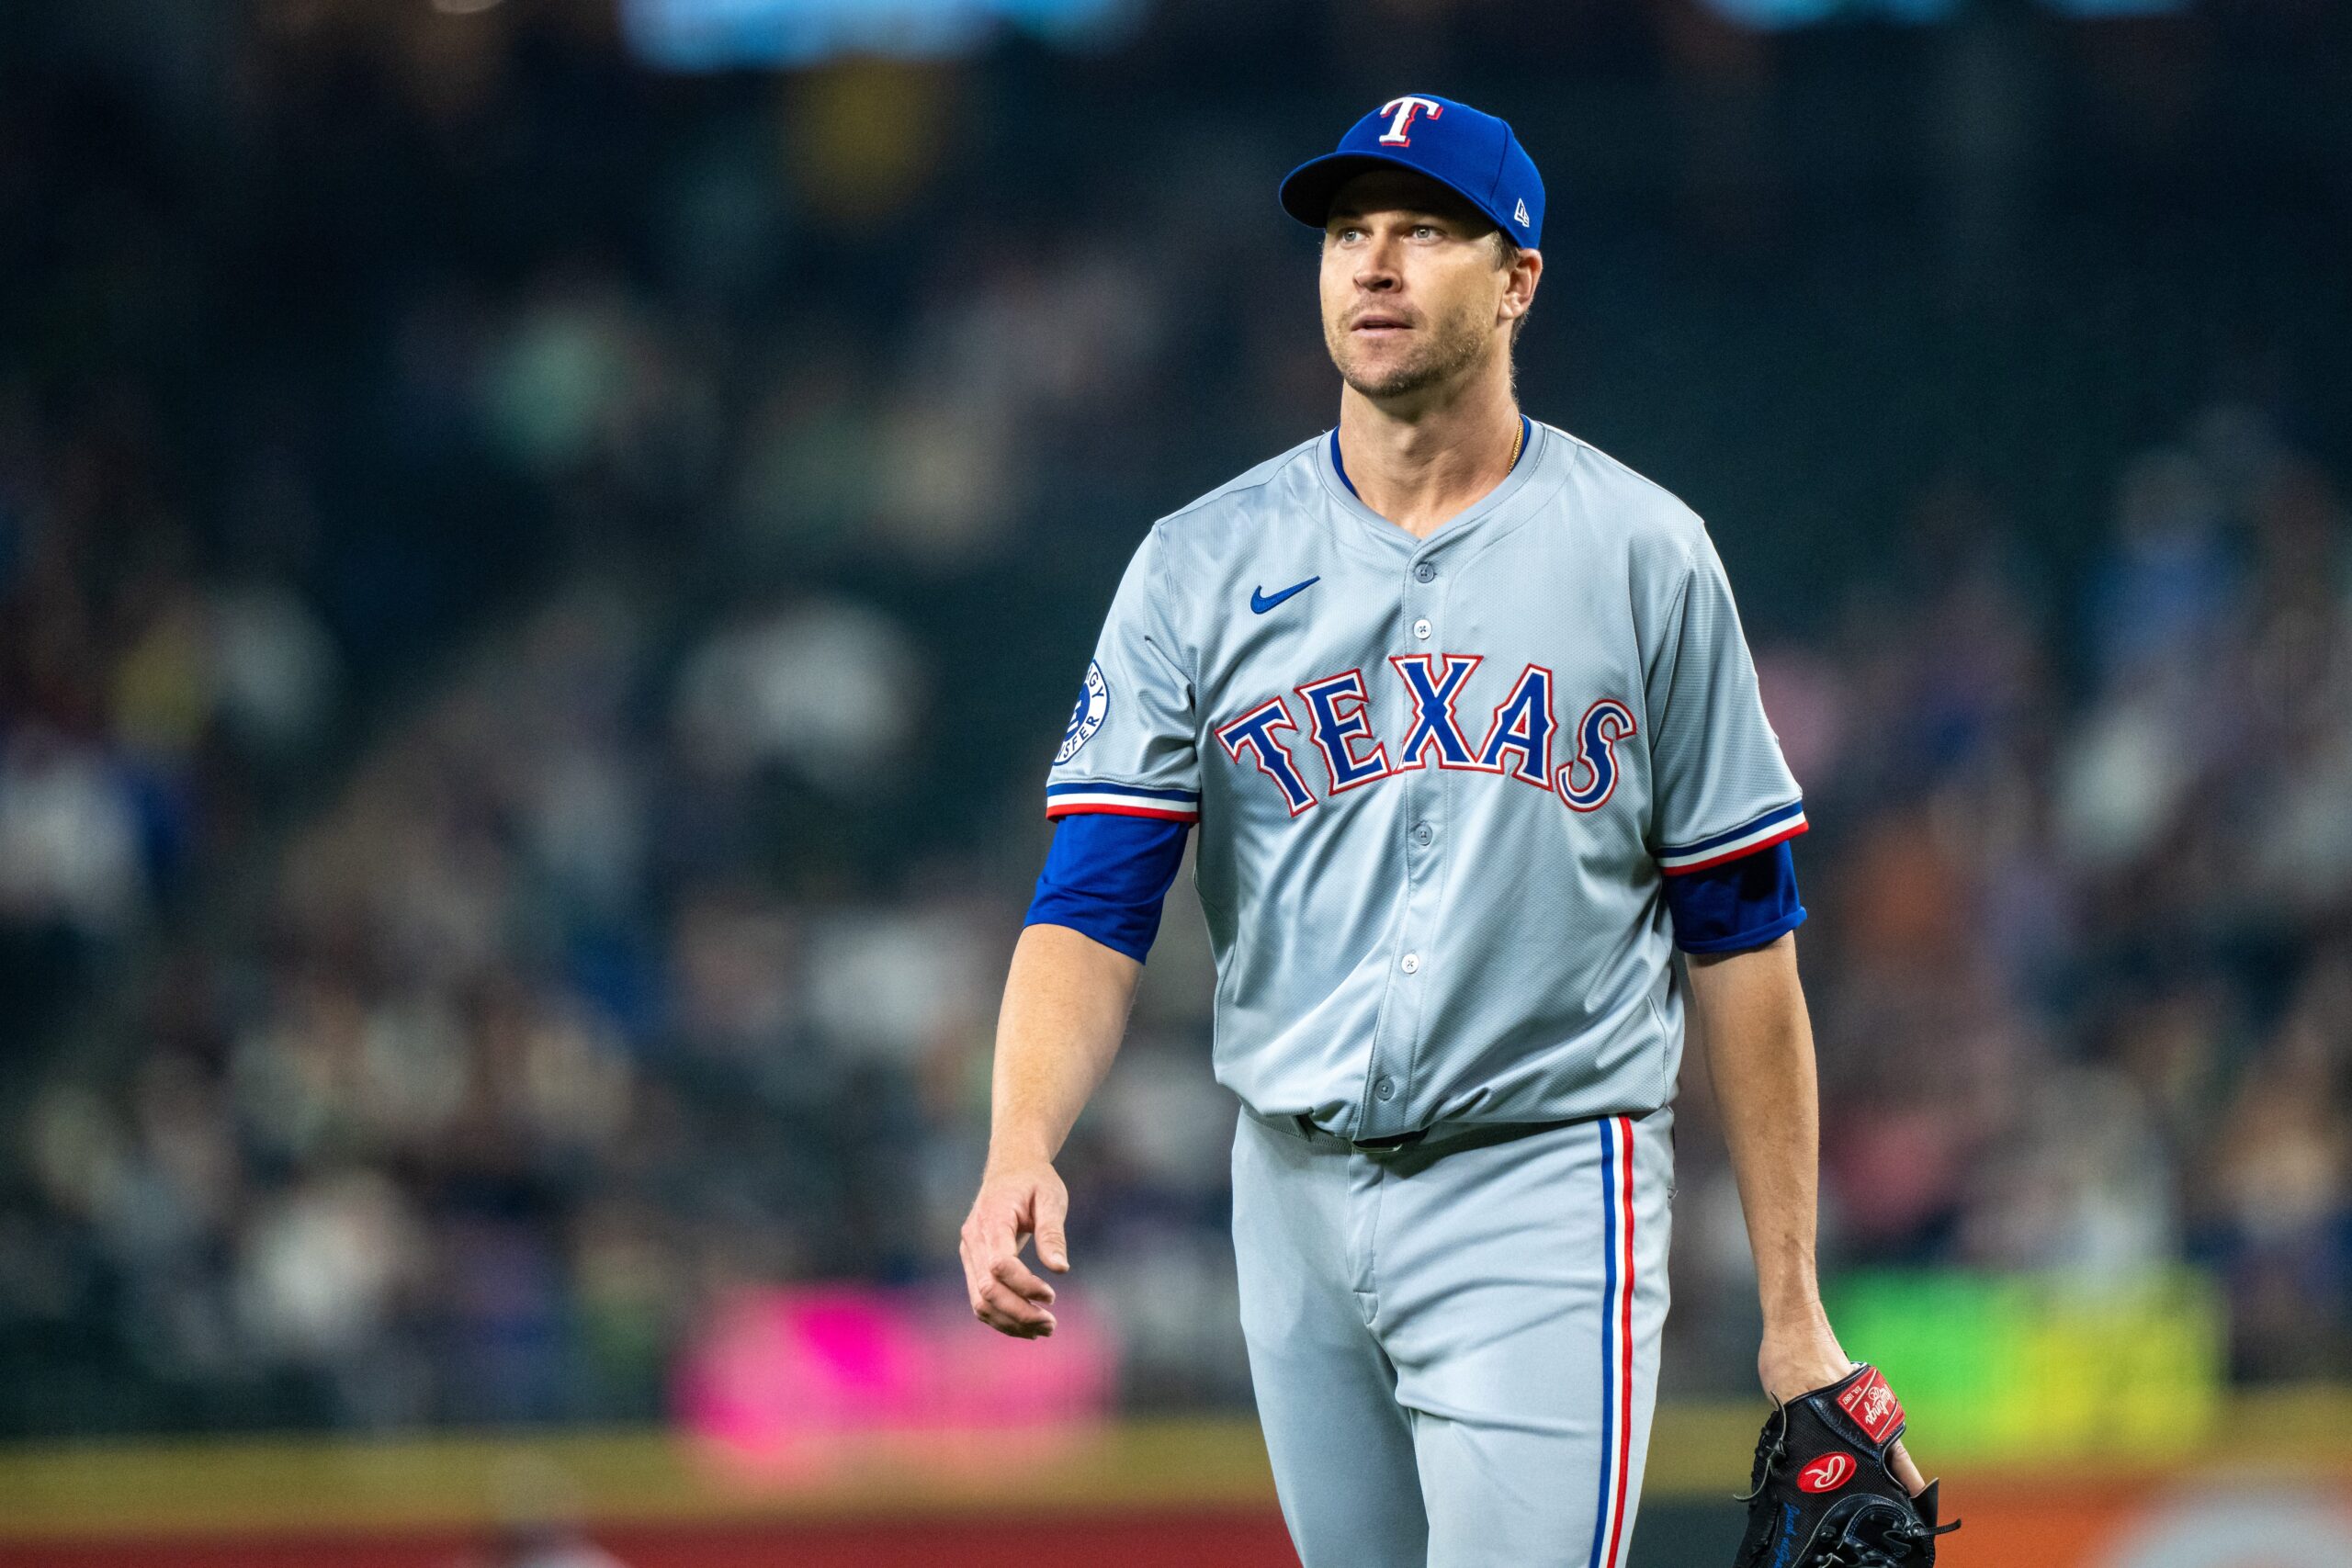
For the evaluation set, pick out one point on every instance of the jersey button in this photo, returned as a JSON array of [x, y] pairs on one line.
[[1384, 1089], [1423, 572], [1423, 834], [1421, 629], [1412, 965]]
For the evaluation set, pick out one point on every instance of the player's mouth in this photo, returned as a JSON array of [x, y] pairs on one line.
[[1380, 324]]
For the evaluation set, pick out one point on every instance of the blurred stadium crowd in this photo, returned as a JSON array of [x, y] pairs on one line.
[[534, 598]]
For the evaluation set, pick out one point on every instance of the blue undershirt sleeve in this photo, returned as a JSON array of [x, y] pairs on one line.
[[1106, 876], [1738, 904]]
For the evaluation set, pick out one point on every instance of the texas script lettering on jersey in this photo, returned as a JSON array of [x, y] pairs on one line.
[[1519, 742]]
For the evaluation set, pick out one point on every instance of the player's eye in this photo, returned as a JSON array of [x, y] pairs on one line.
[[1425, 232]]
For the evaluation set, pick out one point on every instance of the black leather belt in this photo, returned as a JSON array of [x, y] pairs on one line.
[[1393, 1141]]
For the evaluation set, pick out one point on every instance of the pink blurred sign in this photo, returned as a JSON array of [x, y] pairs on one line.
[[782, 1374]]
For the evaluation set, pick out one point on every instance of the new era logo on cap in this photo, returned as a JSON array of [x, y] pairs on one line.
[[1473, 153]]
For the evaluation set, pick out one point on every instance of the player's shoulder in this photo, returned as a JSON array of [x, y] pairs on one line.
[[1210, 523], [1657, 526]]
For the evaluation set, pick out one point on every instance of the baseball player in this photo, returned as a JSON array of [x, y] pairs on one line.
[[1461, 709]]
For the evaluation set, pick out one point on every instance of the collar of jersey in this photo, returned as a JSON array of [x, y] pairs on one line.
[[1472, 520]]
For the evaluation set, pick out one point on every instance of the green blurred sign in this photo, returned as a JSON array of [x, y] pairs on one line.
[[2000, 1366]]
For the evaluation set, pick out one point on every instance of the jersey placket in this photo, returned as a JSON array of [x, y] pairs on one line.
[[1387, 1107]]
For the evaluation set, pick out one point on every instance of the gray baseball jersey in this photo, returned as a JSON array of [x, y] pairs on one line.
[[1437, 780]]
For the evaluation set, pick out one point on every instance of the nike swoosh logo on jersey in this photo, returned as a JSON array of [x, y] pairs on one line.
[[1260, 600]]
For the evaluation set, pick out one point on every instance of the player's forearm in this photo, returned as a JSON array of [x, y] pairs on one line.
[[1066, 1005], [1758, 1043]]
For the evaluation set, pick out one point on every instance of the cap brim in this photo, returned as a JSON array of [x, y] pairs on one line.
[[1308, 190]]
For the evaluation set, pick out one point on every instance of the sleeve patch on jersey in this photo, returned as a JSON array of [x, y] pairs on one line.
[[1093, 707], [1122, 800], [1762, 833]]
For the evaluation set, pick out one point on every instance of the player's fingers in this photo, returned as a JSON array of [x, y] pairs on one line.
[[997, 1307], [1905, 1471], [1008, 1313], [1003, 1322], [980, 1247], [1052, 1206], [987, 1237], [1014, 1275], [976, 1280]]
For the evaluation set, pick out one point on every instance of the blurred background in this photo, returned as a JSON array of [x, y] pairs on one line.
[[545, 546]]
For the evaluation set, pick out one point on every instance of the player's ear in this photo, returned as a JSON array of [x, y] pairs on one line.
[[1526, 269]]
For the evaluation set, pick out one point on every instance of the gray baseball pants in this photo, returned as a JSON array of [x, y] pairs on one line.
[[1454, 1343]]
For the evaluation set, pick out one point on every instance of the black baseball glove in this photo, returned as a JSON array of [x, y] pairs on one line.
[[1823, 1495]]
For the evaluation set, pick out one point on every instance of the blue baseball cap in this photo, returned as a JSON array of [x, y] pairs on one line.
[[1463, 149]]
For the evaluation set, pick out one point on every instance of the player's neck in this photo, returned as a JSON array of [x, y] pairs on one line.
[[1419, 464]]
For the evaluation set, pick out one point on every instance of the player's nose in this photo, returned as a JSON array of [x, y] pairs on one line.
[[1376, 265]]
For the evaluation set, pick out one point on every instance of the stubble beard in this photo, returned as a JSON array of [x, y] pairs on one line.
[[1445, 352]]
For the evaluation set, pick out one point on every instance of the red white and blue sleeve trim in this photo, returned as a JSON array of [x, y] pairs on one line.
[[1122, 800], [1781, 823]]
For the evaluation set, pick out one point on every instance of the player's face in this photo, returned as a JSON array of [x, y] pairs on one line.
[[1413, 286]]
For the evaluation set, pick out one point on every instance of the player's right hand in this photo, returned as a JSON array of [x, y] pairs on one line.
[[1014, 1204]]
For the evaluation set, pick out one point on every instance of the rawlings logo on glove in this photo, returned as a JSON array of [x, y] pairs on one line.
[[1873, 1404], [1823, 1495]]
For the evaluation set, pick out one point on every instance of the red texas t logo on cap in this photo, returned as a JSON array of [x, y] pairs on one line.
[[1400, 125]]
